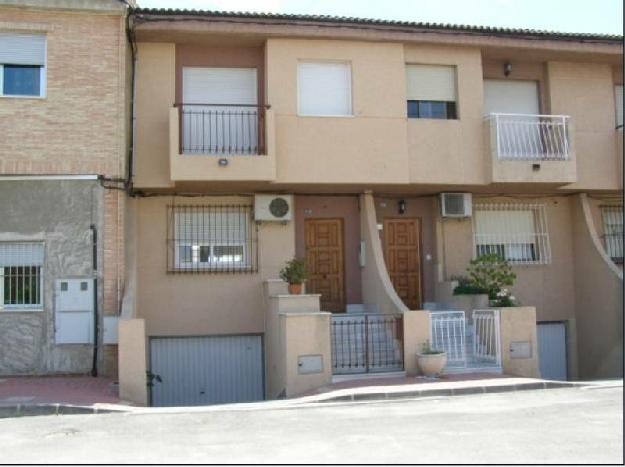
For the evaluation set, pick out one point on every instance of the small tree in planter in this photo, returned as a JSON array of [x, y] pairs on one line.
[[491, 273], [295, 272]]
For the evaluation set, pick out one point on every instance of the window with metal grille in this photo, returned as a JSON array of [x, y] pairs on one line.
[[613, 231], [217, 238], [516, 232], [21, 272]]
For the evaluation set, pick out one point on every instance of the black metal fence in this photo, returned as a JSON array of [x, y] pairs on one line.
[[221, 129], [363, 343]]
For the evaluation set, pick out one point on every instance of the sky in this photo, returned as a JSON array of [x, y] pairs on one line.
[[593, 16]]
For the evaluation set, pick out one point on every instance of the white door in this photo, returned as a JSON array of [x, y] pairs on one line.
[[206, 370], [552, 350], [226, 119]]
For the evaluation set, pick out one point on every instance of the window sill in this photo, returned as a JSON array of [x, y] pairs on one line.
[[325, 116], [10, 96], [20, 310]]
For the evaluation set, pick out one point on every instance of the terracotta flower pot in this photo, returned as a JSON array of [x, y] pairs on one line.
[[295, 289], [432, 365]]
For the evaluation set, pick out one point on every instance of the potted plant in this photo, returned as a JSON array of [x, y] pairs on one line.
[[431, 361], [295, 272], [489, 274]]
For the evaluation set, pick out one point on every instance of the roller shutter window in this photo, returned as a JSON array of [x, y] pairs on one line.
[[618, 97], [22, 64], [431, 91], [324, 89]]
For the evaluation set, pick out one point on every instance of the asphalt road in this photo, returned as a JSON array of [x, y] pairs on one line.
[[570, 425]]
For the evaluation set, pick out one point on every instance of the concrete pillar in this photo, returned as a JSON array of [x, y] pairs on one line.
[[133, 361]]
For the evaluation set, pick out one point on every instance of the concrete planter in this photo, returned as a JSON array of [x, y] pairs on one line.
[[431, 365], [470, 302]]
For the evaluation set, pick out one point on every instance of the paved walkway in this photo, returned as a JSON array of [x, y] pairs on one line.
[[75, 390]]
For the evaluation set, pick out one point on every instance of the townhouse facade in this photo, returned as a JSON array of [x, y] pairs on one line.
[[388, 155], [63, 99]]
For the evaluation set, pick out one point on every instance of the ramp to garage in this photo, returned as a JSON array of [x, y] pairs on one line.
[[206, 370]]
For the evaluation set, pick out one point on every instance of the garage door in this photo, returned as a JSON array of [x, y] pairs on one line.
[[552, 350], [206, 370]]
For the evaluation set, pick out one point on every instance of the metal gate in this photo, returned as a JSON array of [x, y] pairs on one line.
[[206, 370], [363, 343], [447, 333], [552, 350]]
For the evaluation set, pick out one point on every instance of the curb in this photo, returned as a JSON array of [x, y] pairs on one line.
[[447, 392], [29, 410]]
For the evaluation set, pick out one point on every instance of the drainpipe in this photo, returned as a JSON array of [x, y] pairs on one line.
[[94, 260]]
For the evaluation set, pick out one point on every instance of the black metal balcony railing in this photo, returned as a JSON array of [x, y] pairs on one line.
[[221, 129]]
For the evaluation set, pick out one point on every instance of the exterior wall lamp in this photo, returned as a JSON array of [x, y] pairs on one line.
[[507, 68], [401, 206]]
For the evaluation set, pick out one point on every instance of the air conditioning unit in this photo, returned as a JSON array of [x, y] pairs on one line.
[[276, 208], [456, 205]]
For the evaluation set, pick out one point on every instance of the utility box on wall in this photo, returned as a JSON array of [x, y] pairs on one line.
[[73, 311]]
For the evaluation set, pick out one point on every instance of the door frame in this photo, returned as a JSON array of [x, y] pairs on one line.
[[419, 221], [342, 222]]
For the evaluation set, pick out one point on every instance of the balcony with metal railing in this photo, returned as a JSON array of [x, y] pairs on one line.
[[531, 148], [228, 142]]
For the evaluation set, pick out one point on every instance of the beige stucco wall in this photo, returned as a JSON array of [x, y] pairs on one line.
[[371, 145], [294, 327], [457, 142], [599, 299], [519, 325], [585, 91], [377, 288], [155, 95], [132, 361], [208, 303], [416, 333]]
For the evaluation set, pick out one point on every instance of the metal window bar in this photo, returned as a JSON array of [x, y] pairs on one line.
[[221, 129], [487, 336], [612, 216], [447, 333], [531, 137], [363, 343], [21, 275], [211, 238], [517, 232]]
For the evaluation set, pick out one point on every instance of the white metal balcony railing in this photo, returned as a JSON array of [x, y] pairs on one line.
[[531, 137]]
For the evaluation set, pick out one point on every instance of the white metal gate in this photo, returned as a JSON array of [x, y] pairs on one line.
[[447, 333], [552, 350], [206, 370]]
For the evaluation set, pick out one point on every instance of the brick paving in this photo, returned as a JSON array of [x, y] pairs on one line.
[[75, 390]]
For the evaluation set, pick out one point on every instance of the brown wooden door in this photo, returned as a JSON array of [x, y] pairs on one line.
[[324, 255], [402, 253]]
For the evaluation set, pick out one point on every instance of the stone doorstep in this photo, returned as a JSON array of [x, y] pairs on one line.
[[27, 410], [437, 391]]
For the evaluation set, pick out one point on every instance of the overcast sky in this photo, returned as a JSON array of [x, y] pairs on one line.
[[598, 16]]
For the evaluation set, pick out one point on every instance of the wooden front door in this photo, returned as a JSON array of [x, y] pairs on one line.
[[324, 255], [402, 253]]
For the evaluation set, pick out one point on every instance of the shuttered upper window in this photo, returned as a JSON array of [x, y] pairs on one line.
[[22, 64], [612, 216], [324, 89], [431, 91], [516, 232]]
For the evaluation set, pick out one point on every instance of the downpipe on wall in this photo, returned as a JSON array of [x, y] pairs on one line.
[[94, 262]]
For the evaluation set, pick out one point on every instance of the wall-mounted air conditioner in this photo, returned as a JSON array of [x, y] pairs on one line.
[[276, 208], [456, 205]]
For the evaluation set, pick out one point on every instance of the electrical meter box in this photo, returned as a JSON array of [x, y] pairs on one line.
[[73, 310]]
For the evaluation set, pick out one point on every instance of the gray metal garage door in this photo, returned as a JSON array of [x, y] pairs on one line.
[[552, 350], [206, 370]]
